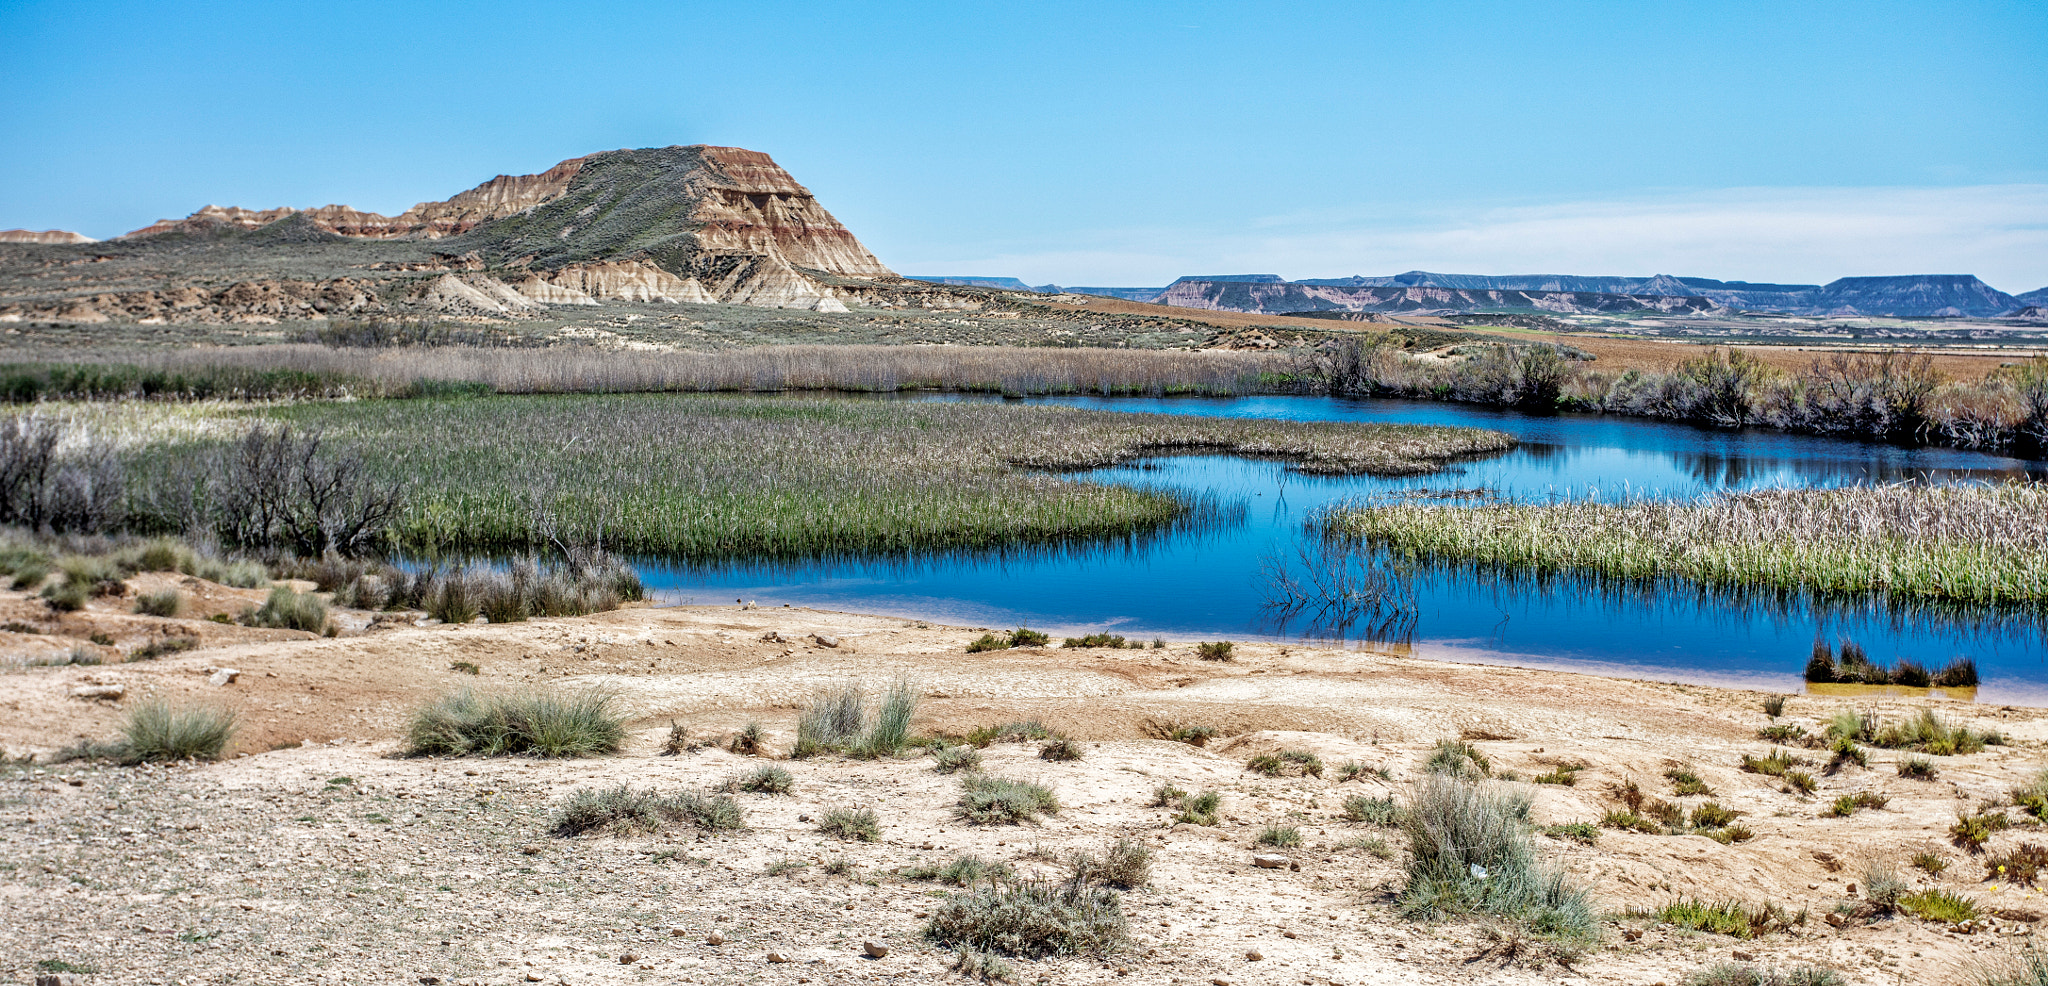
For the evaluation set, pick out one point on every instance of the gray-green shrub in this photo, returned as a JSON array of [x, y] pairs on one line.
[[1032, 920], [289, 610], [1469, 853], [165, 603], [851, 825], [625, 811], [986, 800]]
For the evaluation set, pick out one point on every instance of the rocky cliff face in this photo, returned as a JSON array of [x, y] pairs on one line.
[[696, 224], [47, 236]]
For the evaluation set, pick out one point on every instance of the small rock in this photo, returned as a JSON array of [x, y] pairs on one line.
[[875, 949], [1219, 982], [430, 981], [1742, 956], [1836, 920], [1289, 934], [533, 977], [628, 959], [714, 938], [59, 979], [1852, 890], [777, 957], [827, 640], [531, 849], [679, 931], [223, 677], [1269, 861], [99, 693], [1294, 865], [1252, 955]]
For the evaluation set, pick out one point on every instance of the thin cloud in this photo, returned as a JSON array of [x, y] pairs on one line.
[[1998, 232]]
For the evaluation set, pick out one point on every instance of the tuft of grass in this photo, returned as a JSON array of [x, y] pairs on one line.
[[1711, 815], [953, 759], [1127, 863], [156, 730], [987, 800], [1936, 904], [2028, 968], [1285, 763], [1200, 809], [889, 731], [1109, 640], [2021, 864], [159, 648], [1773, 764], [768, 780], [964, 871], [623, 811], [1774, 705], [1929, 862], [1584, 833], [539, 722], [1917, 769], [1970, 832], [165, 603], [1743, 974], [1782, 732], [1457, 758], [1216, 651], [1032, 920], [288, 610], [1685, 783], [1280, 836], [1800, 781], [1629, 821], [750, 741], [1469, 853], [851, 825], [975, 964], [1166, 796], [1373, 811], [2032, 797], [1566, 774], [1026, 731], [1060, 749], [1882, 886], [1732, 918]]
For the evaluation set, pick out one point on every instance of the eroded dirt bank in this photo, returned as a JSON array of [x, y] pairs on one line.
[[315, 855]]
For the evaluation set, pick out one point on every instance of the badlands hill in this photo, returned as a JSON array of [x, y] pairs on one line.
[[685, 224]]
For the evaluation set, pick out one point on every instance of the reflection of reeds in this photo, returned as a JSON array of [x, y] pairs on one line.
[[1334, 589], [721, 476], [1975, 544]]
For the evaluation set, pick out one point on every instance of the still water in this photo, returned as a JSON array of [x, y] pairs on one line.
[[1215, 580]]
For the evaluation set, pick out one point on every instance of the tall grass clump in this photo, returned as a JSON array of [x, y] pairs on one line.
[[1971, 544], [1744, 974], [1469, 854], [842, 721], [541, 723], [287, 609], [157, 730]]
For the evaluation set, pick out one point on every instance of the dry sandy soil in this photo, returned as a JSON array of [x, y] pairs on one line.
[[314, 854]]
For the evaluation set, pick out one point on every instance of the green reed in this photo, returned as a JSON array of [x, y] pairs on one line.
[[704, 476], [1973, 543]]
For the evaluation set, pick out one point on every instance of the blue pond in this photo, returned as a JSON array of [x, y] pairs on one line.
[[1214, 580]]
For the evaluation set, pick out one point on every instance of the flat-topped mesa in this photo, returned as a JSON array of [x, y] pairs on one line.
[[44, 236]]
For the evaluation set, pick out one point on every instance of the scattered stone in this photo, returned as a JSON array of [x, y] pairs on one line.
[[1289, 933], [223, 677], [430, 981], [1219, 982], [59, 979], [777, 957], [679, 931], [531, 849], [714, 938], [629, 958], [533, 977], [1741, 956], [827, 640], [1836, 920], [104, 693], [1252, 955], [875, 949], [1269, 861]]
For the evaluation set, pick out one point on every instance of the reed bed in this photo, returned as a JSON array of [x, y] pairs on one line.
[[1982, 544], [711, 476], [319, 370]]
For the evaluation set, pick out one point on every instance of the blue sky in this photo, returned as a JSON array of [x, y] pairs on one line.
[[1104, 143]]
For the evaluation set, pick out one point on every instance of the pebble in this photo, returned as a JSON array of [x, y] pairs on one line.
[[875, 949], [1269, 861], [777, 957], [628, 959], [713, 938], [1252, 955], [827, 640]]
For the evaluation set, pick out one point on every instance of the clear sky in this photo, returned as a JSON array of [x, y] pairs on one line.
[[1104, 143]]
